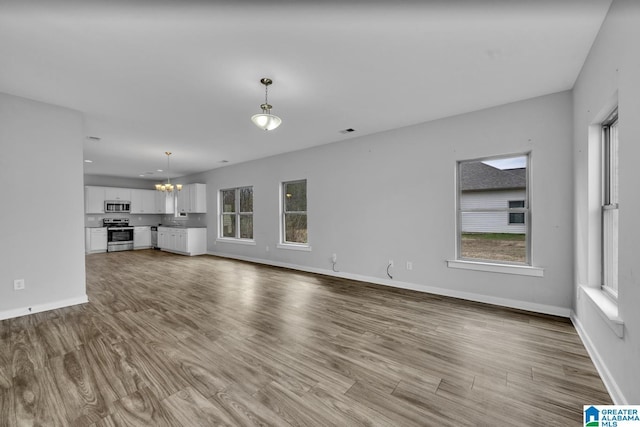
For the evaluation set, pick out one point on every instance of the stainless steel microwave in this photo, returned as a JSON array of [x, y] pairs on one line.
[[117, 206]]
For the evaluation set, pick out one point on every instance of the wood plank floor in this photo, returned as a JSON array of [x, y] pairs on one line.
[[168, 340]]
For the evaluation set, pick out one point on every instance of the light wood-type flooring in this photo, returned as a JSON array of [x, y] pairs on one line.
[[168, 340]]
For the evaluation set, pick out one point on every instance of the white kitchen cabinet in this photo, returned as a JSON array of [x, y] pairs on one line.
[[113, 193], [185, 241], [94, 200], [143, 201], [96, 240], [198, 198], [184, 200], [141, 237], [162, 237], [164, 203], [193, 198], [182, 241]]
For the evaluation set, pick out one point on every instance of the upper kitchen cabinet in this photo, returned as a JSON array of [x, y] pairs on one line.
[[164, 203], [112, 193], [193, 198], [143, 201], [94, 200]]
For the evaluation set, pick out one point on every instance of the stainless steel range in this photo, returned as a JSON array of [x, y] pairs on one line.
[[119, 234]]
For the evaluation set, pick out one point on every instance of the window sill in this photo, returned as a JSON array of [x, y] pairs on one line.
[[237, 241], [521, 270], [294, 247], [607, 308]]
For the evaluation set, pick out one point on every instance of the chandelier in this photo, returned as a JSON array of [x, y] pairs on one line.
[[266, 120], [168, 187]]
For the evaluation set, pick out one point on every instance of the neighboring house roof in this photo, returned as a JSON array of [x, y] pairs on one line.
[[477, 176]]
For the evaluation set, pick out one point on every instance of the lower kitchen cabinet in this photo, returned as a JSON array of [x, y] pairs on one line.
[[185, 241], [141, 237], [95, 240]]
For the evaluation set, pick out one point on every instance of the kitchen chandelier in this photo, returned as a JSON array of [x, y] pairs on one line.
[[168, 187], [266, 120]]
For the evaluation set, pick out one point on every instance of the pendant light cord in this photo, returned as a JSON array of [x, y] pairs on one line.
[[168, 153]]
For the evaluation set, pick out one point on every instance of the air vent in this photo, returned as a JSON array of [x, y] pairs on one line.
[[224, 161], [94, 138], [349, 130]]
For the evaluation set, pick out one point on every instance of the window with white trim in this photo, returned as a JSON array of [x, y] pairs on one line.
[[294, 212], [494, 210], [610, 206], [236, 213]]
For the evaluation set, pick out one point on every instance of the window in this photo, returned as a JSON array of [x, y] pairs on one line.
[[294, 212], [516, 217], [493, 210], [610, 205], [236, 213]]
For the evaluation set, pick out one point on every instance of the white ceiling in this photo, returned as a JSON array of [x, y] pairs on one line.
[[183, 76]]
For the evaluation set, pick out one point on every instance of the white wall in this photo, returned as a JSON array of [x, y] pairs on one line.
[[611, 75], [490, 222], [41, 169], [392, 196]]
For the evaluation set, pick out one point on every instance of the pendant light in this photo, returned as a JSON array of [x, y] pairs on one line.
[[266, 120], [168, 187]]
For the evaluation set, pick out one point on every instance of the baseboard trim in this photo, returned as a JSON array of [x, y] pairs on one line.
[[39, 308], [503, 302], [608, 380]]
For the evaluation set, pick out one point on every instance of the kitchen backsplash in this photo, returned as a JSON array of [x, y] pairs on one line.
[[193, 220]]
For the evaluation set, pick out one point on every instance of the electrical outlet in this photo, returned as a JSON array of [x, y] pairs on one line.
[[334, 258], [409, 265], [18, 284], [267, 249], [390, 263]]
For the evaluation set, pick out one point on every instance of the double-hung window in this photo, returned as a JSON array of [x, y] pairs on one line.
[[493, 223], [236, 213], [610, 205], [294, 212]]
